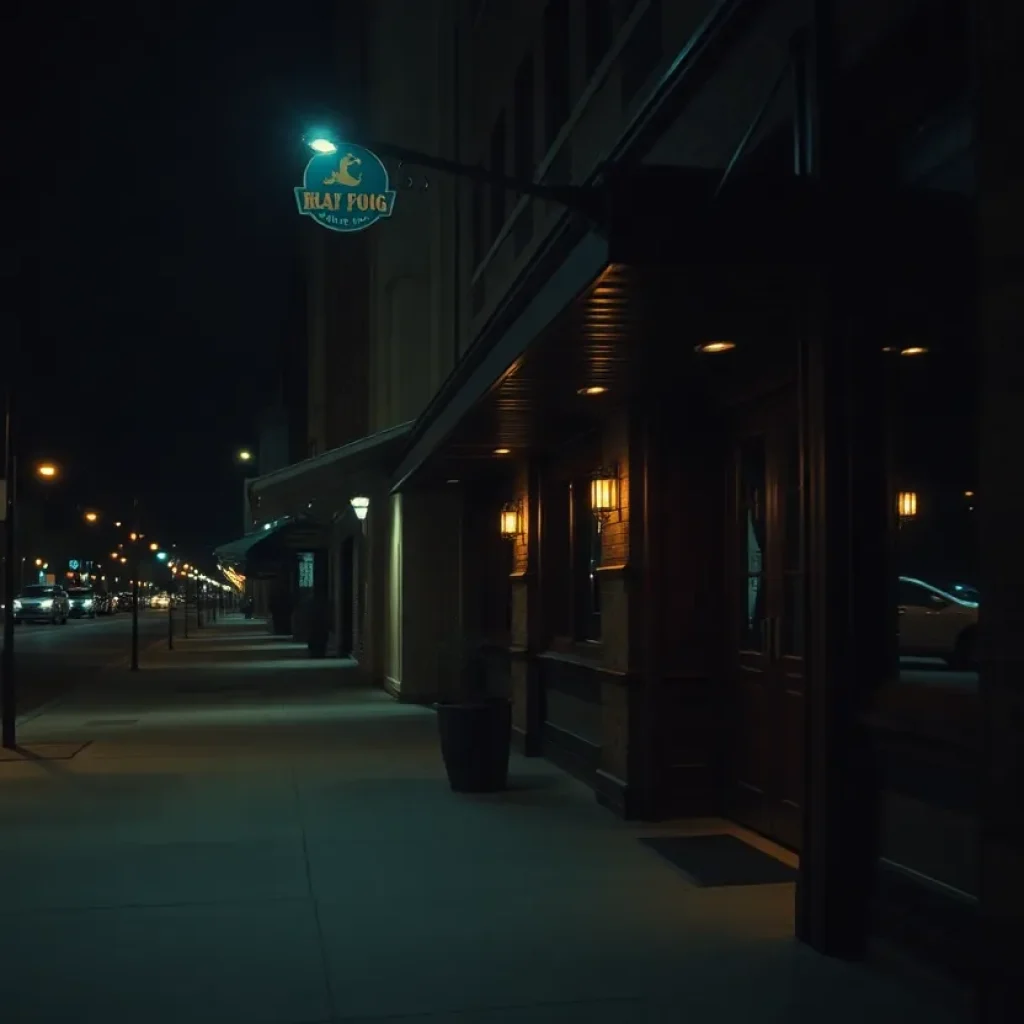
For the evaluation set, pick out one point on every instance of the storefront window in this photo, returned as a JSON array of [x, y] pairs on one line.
[[586, 560], [933, 485]]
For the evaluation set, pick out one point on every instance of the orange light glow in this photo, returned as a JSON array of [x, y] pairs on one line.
[[906, 504], [716, 346]]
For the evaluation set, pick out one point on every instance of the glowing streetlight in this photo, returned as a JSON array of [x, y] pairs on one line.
[[154, 546], [91, 517], [322, 145], [39, 563], [47, 470], [245, 455]]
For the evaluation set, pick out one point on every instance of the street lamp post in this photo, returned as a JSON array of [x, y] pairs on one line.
[[199, 603], [136, 565], [7, 684]]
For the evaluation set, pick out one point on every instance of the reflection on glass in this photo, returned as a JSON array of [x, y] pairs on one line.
[[752, 540]]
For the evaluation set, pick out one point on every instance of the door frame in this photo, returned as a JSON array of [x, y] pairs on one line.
[[772, 803]]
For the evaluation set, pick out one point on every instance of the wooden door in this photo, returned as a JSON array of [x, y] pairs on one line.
[[765, 770]]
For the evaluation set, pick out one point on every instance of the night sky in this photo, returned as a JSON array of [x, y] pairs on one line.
[[168, 233]]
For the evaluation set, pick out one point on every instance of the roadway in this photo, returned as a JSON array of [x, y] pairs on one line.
[[50, 659]]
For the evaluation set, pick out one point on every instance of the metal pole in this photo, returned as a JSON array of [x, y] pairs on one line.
[[184, 607], [8, 686], [136, 565], [170, 622], [199, 605], [213, 608], [135, 618]]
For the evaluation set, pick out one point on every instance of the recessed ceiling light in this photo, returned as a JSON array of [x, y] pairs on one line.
[[452, 481], [914, 350], [595, 389], [502, 451], [716, 346]]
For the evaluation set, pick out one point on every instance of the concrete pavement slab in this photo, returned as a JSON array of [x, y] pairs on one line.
[[250, 963], [290, 852]]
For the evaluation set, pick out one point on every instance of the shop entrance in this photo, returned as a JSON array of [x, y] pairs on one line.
[[765, 771]]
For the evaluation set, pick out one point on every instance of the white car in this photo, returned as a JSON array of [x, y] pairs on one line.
[[935, 623], [160, 601]]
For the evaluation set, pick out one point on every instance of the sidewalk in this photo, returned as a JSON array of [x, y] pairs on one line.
[[238, 834]]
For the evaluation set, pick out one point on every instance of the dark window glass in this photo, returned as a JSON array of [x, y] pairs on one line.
[[642, 52], [523, 146], [586, 557], [753, 509], [522, 143], [498, 196], [556, 543], [478, 226], [557, 81], [599, 30]]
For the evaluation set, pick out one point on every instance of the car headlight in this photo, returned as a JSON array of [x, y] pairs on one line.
[[48, 603], [87, 602], [17, 605]]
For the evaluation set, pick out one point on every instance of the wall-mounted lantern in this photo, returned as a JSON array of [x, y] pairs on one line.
[[361, 506], [906, 505], [604, 493], [511, 520]]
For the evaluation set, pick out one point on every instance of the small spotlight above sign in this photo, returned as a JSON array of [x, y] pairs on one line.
[[361, 506]]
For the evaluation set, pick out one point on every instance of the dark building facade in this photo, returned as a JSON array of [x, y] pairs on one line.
[[721, 476]]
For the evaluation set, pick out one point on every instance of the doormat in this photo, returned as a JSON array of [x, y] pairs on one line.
[[714, 861]]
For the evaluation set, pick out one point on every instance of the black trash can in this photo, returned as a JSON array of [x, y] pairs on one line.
[[476, 738]]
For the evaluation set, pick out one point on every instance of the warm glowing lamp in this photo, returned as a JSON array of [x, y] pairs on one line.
[[510, 520], [91, 517], [604, 493], [906, 504], [361, 506], [47, 470]]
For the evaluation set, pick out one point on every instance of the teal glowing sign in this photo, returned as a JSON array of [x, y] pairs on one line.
[[346, 190]]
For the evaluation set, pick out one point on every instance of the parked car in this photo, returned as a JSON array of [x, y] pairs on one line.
[[82, 601], [935, 623], [42, 602], [104, 603]]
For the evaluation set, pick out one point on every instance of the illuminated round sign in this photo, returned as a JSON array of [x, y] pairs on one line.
[[74, 565], [346, 190]]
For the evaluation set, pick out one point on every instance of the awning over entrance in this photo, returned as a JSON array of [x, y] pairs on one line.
[[320, 487], [274, 541], [621, 317]]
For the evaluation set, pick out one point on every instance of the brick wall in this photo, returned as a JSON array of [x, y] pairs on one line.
[[521, 493]]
